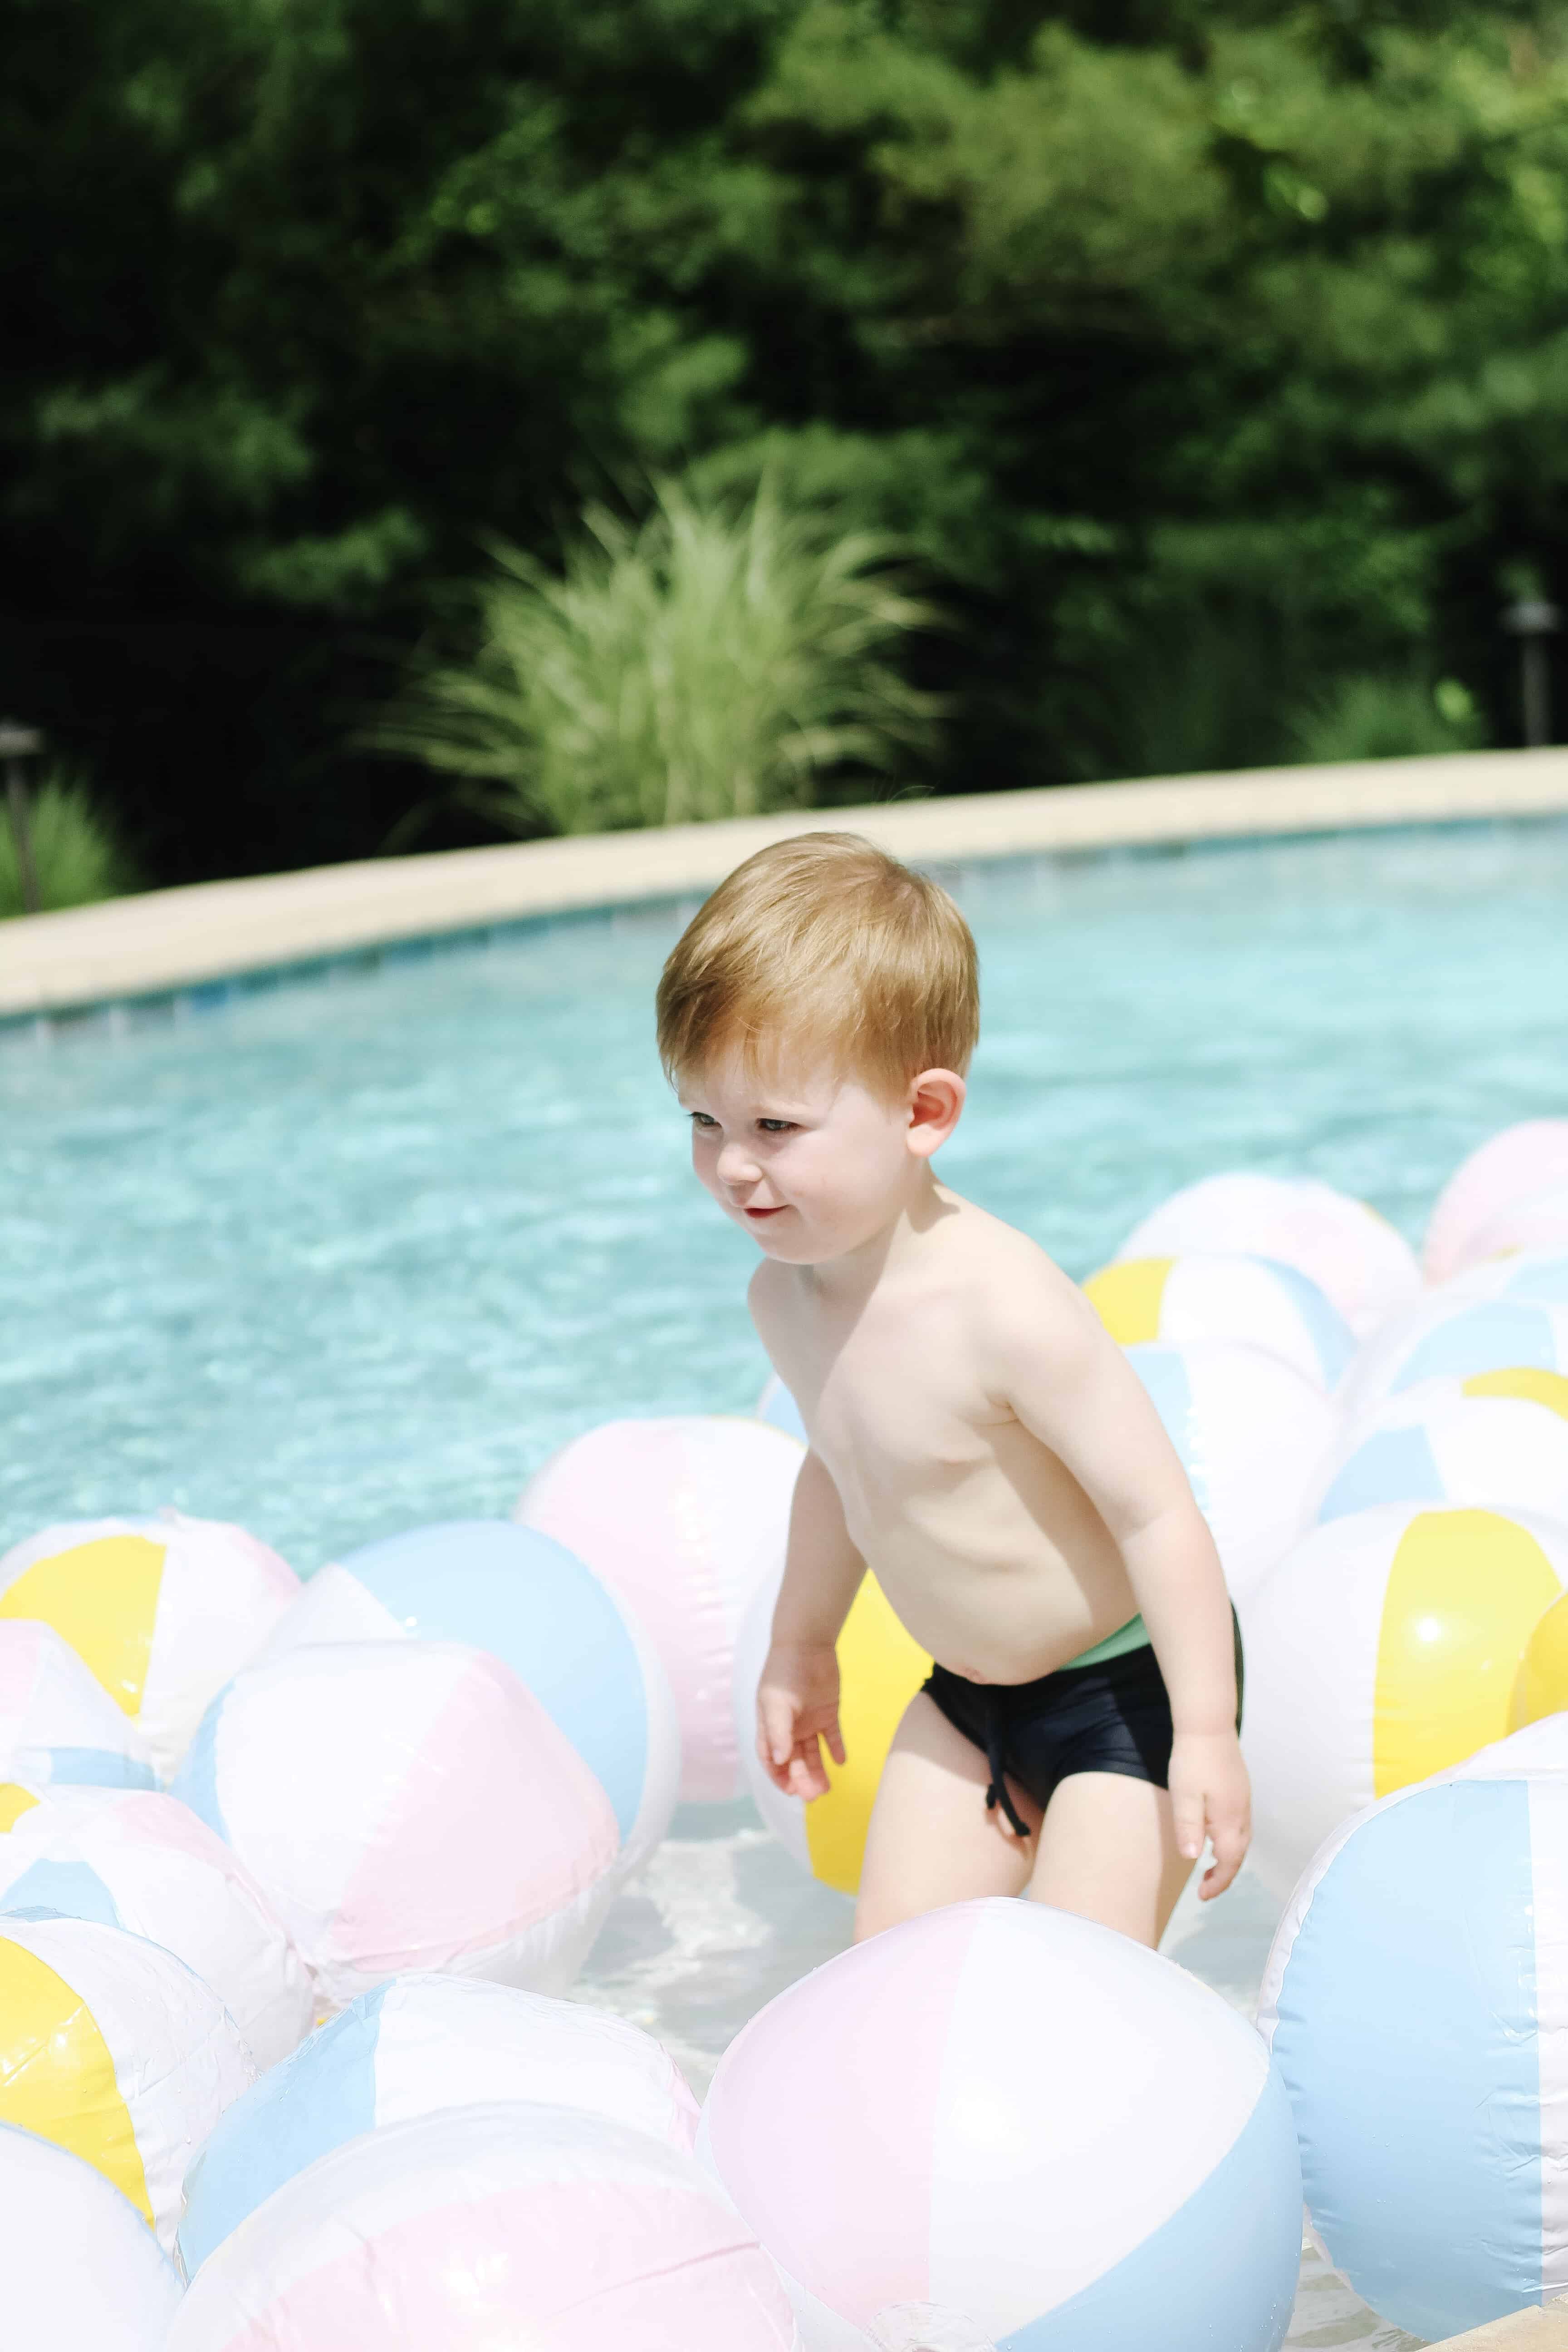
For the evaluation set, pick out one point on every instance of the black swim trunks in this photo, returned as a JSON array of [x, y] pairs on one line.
[[1114, 1716]]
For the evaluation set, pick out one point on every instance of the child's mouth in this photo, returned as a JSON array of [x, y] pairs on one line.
[[777, 1212]]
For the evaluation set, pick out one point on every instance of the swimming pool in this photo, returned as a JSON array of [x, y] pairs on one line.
[[335, 1258]]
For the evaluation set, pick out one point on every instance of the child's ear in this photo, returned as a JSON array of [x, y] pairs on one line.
[[936, 1097]]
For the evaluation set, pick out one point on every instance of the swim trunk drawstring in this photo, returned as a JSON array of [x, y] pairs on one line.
[[996, 1794]]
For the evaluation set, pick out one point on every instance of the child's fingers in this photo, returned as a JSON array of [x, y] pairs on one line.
[[1187, 1811], [1229, 1837], [775, 1730], [835, 1741]]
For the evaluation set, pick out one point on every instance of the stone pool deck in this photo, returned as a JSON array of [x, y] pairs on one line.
[[1528, 2331], [169, 940]]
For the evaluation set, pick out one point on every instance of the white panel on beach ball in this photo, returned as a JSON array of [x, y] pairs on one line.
[[1459, 1337], [1354, 1255], [116, 2051], [162, 1610], [82, 2271], [407, 1805], [57, 1722], [134, 1859], [779, 1410], [1252, 1435], [1252, 1302], [1499, 1438], [485, 2227], [1535, 1225], [1385, 1648], [1509, 1167], [414, 2045], [925, 2168], [683, 1518], [545, 1614], [1416, 1999]]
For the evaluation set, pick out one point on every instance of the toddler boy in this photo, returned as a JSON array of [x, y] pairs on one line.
[[976, 1437]]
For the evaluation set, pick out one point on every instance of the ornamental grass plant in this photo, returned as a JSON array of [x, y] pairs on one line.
[[77, 856], [715, 660]]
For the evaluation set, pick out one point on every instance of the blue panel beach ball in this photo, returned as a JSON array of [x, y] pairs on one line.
[[1508, 1311], [1416, 2001], [1497, 1439], [535, 1606], [415, 2045]]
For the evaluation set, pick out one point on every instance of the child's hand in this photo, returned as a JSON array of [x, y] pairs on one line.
[[797, 1708], [1211, 1795]]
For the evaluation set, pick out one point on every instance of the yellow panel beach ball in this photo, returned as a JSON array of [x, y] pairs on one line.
[[1385, 1648], [116, 2052], [81, 2271], [162, 1610], [880, 1669], [1541, 1688], [1214, 1295]]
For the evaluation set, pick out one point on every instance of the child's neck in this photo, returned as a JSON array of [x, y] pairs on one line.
[[849, 1281]]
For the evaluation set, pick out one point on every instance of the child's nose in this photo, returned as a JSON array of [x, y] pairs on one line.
[[737, 1166]]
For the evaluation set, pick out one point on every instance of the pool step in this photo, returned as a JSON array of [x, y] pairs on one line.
[[1541, 2330]]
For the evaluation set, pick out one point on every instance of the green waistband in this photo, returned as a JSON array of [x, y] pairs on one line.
[[1133, 1635]]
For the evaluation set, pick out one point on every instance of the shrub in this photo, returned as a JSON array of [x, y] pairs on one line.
[[77, 856], [714, 660], [1387, 718]]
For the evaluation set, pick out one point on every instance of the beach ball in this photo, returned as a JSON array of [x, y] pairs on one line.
[[1251, 1434], [1537, 1224], [1415, 1999], [163, 1610], [1354, 1255], [1385, 1648], [1497, 1438], [82, 2271], [1540, 1687], [1502, 1299], [1001, 2125], [407, 1805], [1538, 1747], [511, 1591], [1509, 1167], [116, 2052], [1253, 1301], [410, 2048], [57, 1723], [490, 2226], [779, 1410], [132, 1858], [682, 1518], [881, 1668]]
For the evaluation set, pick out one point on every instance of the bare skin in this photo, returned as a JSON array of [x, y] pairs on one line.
[[979, 1440]]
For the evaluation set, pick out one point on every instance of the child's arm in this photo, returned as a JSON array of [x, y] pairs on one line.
[[1070, 1385], [797, 1697]]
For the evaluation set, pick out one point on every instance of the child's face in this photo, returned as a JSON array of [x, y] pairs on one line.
[[810, 1162]]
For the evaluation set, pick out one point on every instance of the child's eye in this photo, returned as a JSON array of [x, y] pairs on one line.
[[702, 1118], [776, 1126]]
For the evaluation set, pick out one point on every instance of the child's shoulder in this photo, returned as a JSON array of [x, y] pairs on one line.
[[1005, 1261]]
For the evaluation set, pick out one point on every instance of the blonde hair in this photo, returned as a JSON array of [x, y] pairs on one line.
[[829, 943]]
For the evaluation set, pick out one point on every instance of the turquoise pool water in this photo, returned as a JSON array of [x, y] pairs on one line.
[[342, 1255]]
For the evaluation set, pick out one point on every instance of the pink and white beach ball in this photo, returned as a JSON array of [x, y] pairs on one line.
[[162, 1610], [58, 1724], [1511, 1167], [1354, 1255], [134, 1859], [1252, 1435], [1540, 1222], [683, 1518], [486, 2226], [414, 2045], [1002, 2125], [407, 1805], [82, 2270]]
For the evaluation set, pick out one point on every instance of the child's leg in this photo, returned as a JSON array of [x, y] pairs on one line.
[[931, 1840], [1108, 1851]]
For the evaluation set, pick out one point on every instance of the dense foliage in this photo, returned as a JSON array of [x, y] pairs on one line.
[[1208, 356]]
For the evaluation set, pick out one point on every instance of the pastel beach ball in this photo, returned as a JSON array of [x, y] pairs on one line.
[[1252, 1435], [1000, 2126], [1353, 1254], [162, 1610], [490, 2226], [414, 2046], [1532, 1225], [82, 2270], [407, 1805], [562, 1630], [1386, 1648], [1414, 1999], [682, 1518], [1511, 1167], [1254, 1302], [779, 1410], [135, 1860], [881, 1668], [56, 1723], [1509, 1315], [116, 2052], [1495, 1439], [1541, 1688]]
